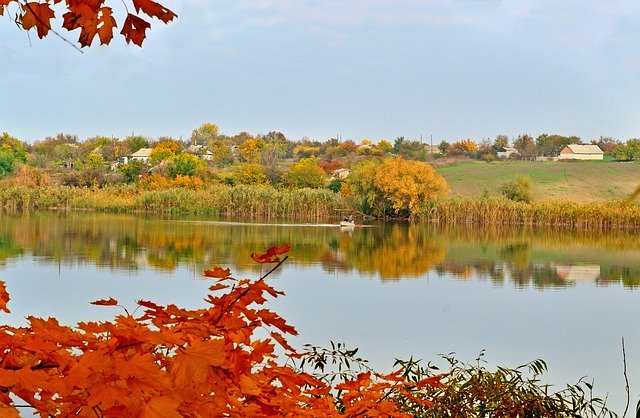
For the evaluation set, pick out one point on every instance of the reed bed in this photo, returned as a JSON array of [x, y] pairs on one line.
[[594, 216], [215, 199], [260, 202]]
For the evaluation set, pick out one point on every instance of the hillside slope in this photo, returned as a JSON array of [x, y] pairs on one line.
[[581, 181]]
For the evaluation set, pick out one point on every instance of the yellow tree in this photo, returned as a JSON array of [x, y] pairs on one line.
[[305, 173], [165, 149], [463, 147], [394, 186], [204, 134], [250, 149], [383, 147]]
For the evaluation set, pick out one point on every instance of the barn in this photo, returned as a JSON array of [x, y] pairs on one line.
[[581, 152]]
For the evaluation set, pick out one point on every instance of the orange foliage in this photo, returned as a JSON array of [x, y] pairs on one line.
[[174, 362], [92, 17], [330, 166]]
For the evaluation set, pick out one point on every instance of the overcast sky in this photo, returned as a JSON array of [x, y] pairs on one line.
[[359, 68]]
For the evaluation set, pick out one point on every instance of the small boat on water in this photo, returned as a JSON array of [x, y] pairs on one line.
[[347, 224]]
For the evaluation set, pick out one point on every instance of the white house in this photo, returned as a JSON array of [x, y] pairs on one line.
[[142, 154], [200, 151], [581, 152], [506, 152]]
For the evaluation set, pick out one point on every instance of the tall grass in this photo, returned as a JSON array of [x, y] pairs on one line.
[[498, 211], [216, 199], [313, 204]]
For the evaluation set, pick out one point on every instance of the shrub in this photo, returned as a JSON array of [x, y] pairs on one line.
[[184, 165], [305, 173], [249, 173], [131, 170], [518, 190], [335, 185]]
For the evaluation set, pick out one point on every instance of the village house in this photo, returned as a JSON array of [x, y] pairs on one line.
[[340, 174], [200, 151], [581, 152], [142, 154], [506, 152], [432, 150]]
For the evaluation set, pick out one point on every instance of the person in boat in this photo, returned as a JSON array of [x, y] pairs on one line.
[[348, 219]]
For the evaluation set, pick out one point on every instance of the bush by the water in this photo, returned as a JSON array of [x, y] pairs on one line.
[[518, 190]]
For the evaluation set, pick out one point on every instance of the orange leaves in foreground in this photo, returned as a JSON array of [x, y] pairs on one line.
[[175, 362], [4, 298], [92, 17]]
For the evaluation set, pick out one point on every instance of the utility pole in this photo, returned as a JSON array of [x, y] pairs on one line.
[[431, 148]]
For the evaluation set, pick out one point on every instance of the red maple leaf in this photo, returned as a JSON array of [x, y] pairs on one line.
[[37, 15], [271, 255], [154, 9], [134, 29], [4, 298], [218, 272], [105, 302]]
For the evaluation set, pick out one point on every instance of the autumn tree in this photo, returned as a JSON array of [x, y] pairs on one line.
[[551, 145], [525, 145], [12, 151], [607, 144], [305, 173], [204, 134], [382, 147], [184, 165], [250, 149], [249, 173], [394, 186], [412, 150], [92, 17], [54, 152], [444, 147], [132, 170], [463, 147], [163, 150], [132, 143], [501, 141], [627, 152]]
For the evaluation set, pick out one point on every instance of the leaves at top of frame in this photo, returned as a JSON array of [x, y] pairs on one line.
[[92, 17], [37, 15], [153, 9]]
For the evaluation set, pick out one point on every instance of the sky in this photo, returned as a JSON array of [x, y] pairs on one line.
[[374, 69]]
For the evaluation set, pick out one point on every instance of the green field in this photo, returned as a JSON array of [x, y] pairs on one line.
[[580, 181]]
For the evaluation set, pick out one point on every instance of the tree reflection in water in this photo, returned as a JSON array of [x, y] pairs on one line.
[[540, 258]]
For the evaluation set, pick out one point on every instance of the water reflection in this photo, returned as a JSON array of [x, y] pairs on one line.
[[525, 258]]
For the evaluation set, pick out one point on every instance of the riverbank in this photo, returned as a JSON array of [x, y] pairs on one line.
[[316, 204]]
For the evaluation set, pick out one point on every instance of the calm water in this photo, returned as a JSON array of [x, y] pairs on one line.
[[393, 290]]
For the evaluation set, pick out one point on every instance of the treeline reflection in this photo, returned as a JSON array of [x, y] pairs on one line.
[[545, 258]]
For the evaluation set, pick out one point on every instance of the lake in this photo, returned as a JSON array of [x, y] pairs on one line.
[[393, 290]]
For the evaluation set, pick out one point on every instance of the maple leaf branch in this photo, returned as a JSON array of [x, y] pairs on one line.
[[245, 291], [48, 26]]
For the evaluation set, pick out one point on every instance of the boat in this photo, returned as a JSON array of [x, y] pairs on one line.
[[347, 224]]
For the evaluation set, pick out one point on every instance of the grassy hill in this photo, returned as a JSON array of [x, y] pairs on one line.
[[580, 181]]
